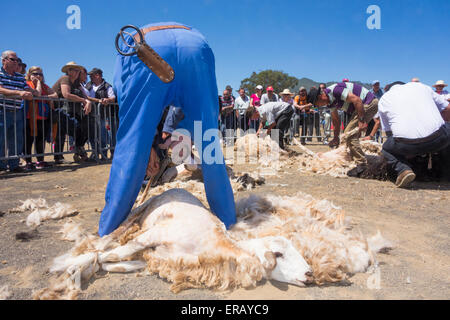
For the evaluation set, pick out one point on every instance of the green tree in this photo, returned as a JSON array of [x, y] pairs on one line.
[[277, 79]]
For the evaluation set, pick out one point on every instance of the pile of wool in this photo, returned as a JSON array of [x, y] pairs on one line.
[[338, 162], [260, 150], [318, 229], [41, 211]]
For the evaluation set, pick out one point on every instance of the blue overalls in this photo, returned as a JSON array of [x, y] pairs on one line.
[[142, 97]]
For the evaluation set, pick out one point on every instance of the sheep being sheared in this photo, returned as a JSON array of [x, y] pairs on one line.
[[181, 241], [289, 239]]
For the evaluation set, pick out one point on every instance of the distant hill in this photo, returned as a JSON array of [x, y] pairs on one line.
[[308, 83]]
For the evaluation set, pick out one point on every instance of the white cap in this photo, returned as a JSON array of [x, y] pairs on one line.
[[259, 87]]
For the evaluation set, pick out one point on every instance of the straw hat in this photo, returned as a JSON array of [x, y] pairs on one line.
[[440, 83], [286, 92], [69, 65]]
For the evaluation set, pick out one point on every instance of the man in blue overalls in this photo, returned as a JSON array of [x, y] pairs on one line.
[[142, 97]]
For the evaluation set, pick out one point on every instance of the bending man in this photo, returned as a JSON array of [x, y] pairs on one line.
[[142, 97]]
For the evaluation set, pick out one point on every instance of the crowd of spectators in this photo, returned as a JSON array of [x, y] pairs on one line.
[[33, 113], [308, 120]]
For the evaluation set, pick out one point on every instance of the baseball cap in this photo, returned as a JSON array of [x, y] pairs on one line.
[[95, 70], [259, 87], [269, 88], [375, 81]]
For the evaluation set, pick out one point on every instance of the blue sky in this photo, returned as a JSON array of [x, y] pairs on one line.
[[322, 40]]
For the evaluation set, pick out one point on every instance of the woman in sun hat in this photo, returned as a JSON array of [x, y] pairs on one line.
[[287, 96], [69, 87]]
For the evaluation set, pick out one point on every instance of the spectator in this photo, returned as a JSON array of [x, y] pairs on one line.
[[299, 103], [37, 126], [360, 103], [21, 67], [240, 105], [12, 83], [440, 85], [255, 101], [372, 129], [277, 114], [325, 113], [230, 91], [286, 96], [408, 136], [69, 87], [412, 80], [227, 117], [269, 96], [103, 92]]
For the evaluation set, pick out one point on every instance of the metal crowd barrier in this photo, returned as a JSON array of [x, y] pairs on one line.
[[46, 126], [304, 126]]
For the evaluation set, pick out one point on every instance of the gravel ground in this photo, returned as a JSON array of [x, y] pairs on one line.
[[416, 220]]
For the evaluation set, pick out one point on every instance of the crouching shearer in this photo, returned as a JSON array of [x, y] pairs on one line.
[[277, 114], [159, 158], [412, 115], [357, 101]]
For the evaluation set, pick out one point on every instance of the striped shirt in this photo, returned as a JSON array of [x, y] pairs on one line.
[[338, 94], [15, 82]]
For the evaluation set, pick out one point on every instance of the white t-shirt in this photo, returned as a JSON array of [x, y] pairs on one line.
[[265, 98], [271, 110], [241, 104], [411, 111]]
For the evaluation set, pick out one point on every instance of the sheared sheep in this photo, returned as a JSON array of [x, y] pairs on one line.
[[291, 239]]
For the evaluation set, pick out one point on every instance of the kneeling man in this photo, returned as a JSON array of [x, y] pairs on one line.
[[412, 115]]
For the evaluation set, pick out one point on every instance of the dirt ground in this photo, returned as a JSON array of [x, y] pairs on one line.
[[416, 220]]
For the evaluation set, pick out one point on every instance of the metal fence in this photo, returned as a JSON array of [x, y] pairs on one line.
[[54, 127], [316, 125], [46, 127]]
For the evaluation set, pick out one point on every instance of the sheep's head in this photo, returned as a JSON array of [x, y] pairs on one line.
[[280, 259]]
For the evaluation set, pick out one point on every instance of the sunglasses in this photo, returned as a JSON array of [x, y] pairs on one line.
[[13, 59], [37, 74]]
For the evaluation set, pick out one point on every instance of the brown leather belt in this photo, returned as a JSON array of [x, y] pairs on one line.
[[432, 136], [156, 28]]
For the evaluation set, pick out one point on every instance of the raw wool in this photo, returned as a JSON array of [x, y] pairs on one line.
[[318, 230], [338, 162], [192, 181], [72, 231], [264, 151], [291, 239], [57, 211], [4, 293], [379, 244], [30, 204]]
